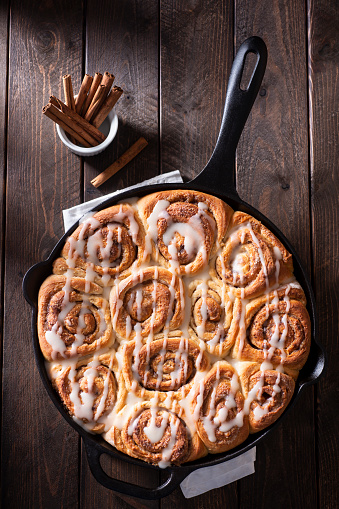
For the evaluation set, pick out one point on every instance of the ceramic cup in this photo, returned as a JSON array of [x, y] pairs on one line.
[[109, 128]]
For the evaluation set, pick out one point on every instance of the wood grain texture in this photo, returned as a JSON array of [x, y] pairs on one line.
[[39, 450], [272, 175], [196, 57], [122, 38], [272, 159], [323, 20], [4, 20]]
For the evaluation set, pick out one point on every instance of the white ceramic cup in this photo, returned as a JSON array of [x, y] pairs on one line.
[[109, 128]]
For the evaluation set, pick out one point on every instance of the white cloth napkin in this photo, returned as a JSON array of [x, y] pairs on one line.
[[70, 216], [207, 478]]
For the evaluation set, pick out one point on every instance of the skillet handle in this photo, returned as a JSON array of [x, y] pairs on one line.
[[219, 170], [94, 451]]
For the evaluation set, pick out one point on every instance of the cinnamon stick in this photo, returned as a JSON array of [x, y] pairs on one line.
[[133, 151], [100, 96], [49, 111], [96, 102], [95, 83], [81, 97], [68, 91], [69, 95], [107, 80], [79, 121], [107, 106]]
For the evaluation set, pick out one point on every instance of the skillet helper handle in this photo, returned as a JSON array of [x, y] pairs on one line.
[[238, 104], [94, 452]]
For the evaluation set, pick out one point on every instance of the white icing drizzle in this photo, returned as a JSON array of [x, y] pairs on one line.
[[98, 253]]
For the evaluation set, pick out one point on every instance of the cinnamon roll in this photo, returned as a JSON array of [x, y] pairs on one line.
[[150, 301], [73, 318], [267, 394], [185, 227], [215, 315], [277, 329], [218, 409], [252, 259], [174, 326], [156, 435], [88, 391], [167, 365], [105, 246]]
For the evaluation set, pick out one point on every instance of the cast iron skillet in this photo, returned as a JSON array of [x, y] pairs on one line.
[[217, 178]]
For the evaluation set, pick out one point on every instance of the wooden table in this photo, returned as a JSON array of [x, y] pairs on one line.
[[172, 59]]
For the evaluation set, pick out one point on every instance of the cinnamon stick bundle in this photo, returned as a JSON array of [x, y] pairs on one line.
[[87, 112]]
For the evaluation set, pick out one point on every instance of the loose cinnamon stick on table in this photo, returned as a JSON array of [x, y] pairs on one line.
[[120, 162], [81, 122], [95, 83], [107, 106], [50, 112], [81, 97]]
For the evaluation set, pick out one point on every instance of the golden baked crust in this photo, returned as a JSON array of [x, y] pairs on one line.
[[248, 259], [173, 326], [61, 302], [110, 243], [203, 216], [150, 298]]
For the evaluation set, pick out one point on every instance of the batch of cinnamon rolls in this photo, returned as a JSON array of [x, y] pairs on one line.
[[174, 326]]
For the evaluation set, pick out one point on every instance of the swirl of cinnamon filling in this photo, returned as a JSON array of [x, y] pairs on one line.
[[88, 392], [252, 258], [156, 435], [185, 227], [167, 394], [71, 321], [146, 303], [267, 394], [215, 315], [217, 408], [278, 329], [163, 365], [104, 246]]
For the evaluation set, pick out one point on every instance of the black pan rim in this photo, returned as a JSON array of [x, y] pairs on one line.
[[98, 441]]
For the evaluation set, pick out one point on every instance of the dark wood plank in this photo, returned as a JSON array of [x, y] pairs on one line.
[[39, 449], [323, 20], [272, 175], [196, 58], [122, 37], [4, 32]]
